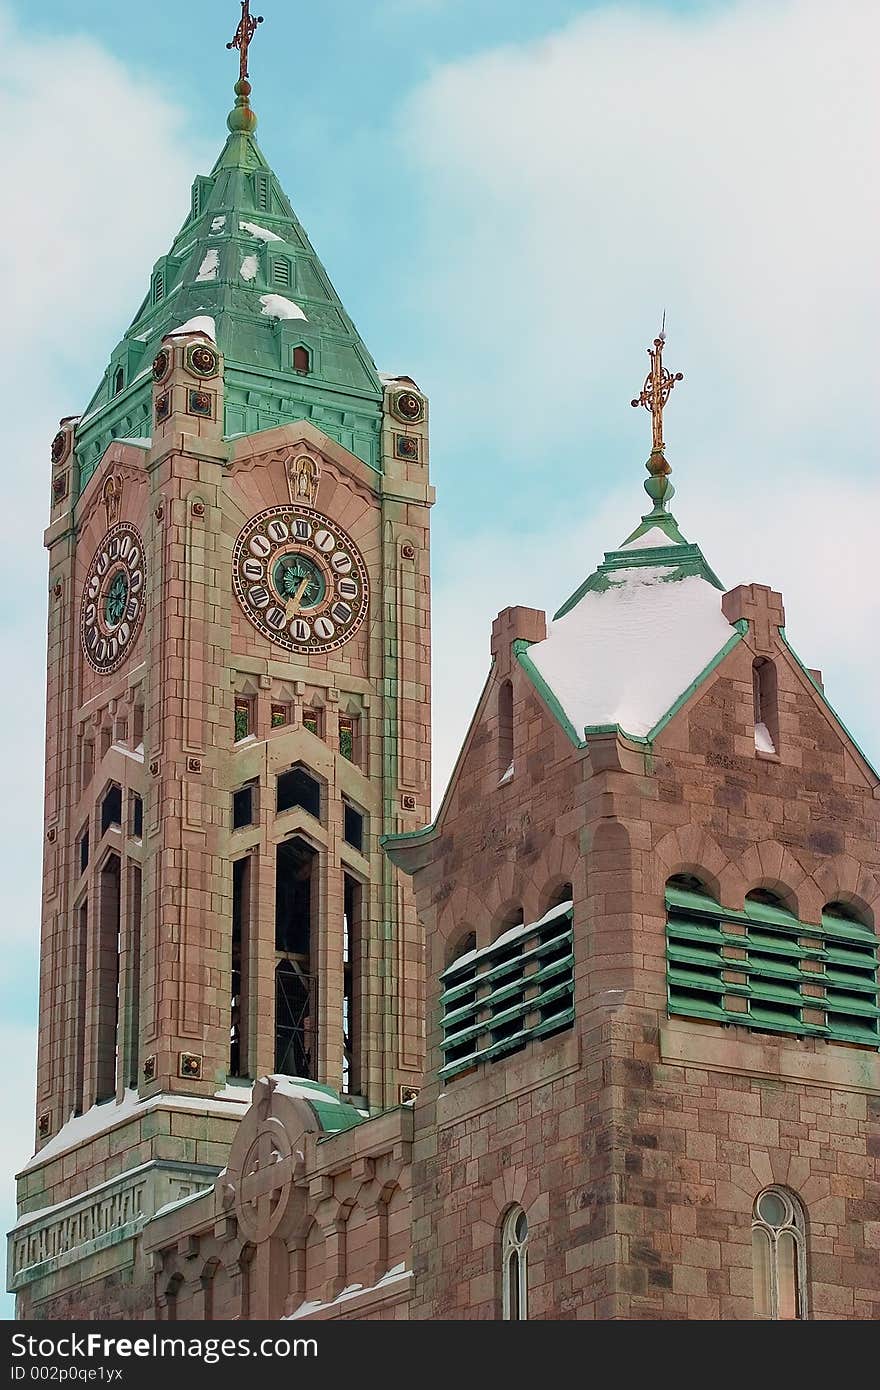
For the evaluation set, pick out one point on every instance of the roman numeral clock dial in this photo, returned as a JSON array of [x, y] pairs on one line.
[[113, 599], [300, 579]]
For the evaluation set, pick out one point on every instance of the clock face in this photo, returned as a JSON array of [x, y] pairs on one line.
[[300, 579], [113, 599]]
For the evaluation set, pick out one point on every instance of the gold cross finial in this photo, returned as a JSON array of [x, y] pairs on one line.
[[247, 27], [656, 390]]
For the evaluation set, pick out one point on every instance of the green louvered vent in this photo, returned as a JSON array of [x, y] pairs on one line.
[[498, 999], [764, 969]]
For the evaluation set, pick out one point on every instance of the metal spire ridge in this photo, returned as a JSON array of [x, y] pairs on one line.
[[653, 396], [242, 118]]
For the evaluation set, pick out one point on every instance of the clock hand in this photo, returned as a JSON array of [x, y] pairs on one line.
[[294, 602]]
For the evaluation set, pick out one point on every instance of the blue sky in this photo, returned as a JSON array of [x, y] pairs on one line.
[[506, 196]]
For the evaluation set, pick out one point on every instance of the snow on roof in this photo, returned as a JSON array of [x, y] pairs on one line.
[[218, 224], [249, 267], [625, 654], [651, 540], [398, 1274], [208, 268], [202, 323], [277, 307], [512, 933], [262, 233], [107, 1114]]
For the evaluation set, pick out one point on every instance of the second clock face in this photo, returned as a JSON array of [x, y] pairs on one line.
[[300, 579]]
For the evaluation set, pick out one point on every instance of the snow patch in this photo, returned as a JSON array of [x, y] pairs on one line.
[[202, 323], [275, 306], [512, 933], [208, 268], [218, 224], [507, 776], [262, 233], [763, 740], [108, 1114], [399, 1274], [651, 540], [625, 654], [249, 267]]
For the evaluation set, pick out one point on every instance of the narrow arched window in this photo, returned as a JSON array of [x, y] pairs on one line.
[[505, 730], [118, 381], [766, 705], [301, 361], [514, 1266], [779, 1256]]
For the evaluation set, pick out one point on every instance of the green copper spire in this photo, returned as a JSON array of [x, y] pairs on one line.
[[243, 259]]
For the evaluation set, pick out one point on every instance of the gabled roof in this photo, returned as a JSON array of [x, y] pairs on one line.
[[635, 636], [243, 259]]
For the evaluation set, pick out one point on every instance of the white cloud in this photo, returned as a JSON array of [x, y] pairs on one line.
[[718, 165], [96, 181]]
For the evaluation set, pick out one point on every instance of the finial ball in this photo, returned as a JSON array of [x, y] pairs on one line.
[[242, 87]]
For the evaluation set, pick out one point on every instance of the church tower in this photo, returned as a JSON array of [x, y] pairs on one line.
[[238, 711]]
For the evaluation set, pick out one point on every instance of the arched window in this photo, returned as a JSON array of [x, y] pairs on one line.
[[779, 1256], [461, 946], [766, 705], [118, 381], [514, 1266], [505, 729], [301, 361]]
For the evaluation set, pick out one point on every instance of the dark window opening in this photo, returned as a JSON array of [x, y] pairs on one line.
[[563, 894], [111, 808], [79, 1046], [298, 788], [137, 816], [295, 902], [118, 381], [301, 362], [352, 980], [133, 1010], [353, 827], [84, 851], [280, 716], [295, 1003], [106, 1036], [766, 705], [765, 898], [688, 883], [242, 807], [505, 728], [465, 943], [238, 1024]]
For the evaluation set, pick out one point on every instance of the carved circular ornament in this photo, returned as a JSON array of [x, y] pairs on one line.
[[161, 365], [202, 360], [59, 446], [300, 579], [408, 406], [113, 599], [262, 1191]]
